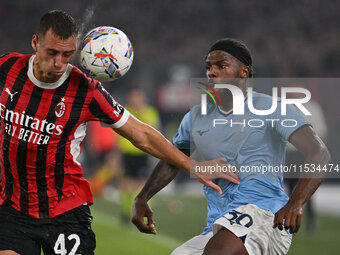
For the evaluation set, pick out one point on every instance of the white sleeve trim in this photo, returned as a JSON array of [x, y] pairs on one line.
[[122, 120]]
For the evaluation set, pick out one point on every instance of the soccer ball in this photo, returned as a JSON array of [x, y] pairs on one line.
[[106, 53]]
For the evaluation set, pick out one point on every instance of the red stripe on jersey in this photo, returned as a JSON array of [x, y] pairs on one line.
[[7, 99], [9, 81], [33, 168], [45, 159], [7, 56], [61, 122], [8, 84], [16, 154]]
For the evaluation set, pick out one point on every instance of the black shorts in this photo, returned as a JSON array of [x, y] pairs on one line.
[[65, 234], [135, 166]]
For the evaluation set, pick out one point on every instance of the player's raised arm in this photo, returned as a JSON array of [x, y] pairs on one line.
[[153, 142], [315, 151]]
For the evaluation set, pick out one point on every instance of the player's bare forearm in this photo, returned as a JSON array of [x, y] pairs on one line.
[[161, 176], [316, 154], [315, 151], [151, 141], [309, 181]]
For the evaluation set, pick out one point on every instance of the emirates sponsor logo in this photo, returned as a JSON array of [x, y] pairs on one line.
[[28, 128]]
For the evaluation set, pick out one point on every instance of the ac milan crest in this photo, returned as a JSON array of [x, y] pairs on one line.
[[60, 108]]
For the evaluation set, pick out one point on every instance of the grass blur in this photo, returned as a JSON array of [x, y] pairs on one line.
[[179, 218]]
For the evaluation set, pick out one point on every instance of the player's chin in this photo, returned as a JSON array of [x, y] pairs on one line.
[[54, 75], [222, 80], [51, 77]]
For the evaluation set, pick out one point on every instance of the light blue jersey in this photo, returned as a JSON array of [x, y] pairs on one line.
[[245, 141]]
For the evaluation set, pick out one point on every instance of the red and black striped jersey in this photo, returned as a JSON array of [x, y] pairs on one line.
[[42, 128]]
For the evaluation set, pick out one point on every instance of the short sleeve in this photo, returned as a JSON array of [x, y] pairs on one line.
[[287, 124], [182, 138], [105, 109]]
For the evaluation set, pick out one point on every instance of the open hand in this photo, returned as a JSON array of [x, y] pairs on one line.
[[206, 171]]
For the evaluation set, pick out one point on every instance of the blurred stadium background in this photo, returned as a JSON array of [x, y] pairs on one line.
[[170, 39]]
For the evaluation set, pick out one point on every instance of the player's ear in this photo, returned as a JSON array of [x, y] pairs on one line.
[[244, 72], [35, 42]]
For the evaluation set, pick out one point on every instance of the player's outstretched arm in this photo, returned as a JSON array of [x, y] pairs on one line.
[[148, 139], [161, 176], [315, 151], [153, 142]]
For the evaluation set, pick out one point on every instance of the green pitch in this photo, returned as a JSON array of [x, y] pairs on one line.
[[112, 238], [181, 217]]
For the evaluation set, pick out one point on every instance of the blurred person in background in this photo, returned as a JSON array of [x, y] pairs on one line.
[[103, 160], [135, 162]]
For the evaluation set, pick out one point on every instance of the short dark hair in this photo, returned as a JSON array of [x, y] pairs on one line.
[[61, 23], [237, 49]]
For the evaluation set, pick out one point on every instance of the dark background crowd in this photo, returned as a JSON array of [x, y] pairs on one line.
[[171, 38]]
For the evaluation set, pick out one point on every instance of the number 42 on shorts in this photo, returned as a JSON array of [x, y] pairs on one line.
[[59, 246]]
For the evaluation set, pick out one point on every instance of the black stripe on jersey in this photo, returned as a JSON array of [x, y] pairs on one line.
[[4, 69], [17, 87], [42, 155], [104, 92], [99, 113], [31, 110], [76, 110]]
